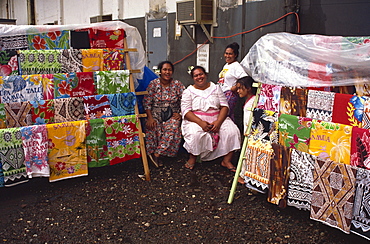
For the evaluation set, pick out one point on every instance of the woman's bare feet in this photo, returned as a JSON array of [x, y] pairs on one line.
[[229, 166]]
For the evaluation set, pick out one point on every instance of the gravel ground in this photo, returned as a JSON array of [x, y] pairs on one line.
[[114, 205]]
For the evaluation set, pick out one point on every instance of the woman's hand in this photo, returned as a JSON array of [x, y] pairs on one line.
[[216, 125], [176, 116], [205, 125], [151, 123]]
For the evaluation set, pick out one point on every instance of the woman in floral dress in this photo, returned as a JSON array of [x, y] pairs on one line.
[[162, 106]]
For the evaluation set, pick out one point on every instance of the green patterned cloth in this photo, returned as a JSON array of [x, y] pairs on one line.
[[2, 116], [96, 143], [112, 82], [40, 61]]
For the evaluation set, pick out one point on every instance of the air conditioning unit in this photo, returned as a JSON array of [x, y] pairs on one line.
[[194, 11]]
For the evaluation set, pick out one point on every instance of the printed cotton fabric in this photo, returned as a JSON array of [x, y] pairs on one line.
[[8, 62], [269, 97], [43, 112], [67, 150], [301, 180], [366, 114], [333, 194], [361, 209], [96, 143], [122, 138], [348, 109], [257, 164], [265, 125], [2, 116], [83, 84], [48, 86], [21, 88], [69, 109], [97, 107], [106, 38], [92, 60], [62, 85], [40, 62], [18, 114], [294, 132], [331, 141], [113, 59], [49, 40], [71, 60], [16, 42], [35, 144], [279, 176], [112, 82], [12, 157], [122, 104], [360, 148], [293, 101], [320, 105]]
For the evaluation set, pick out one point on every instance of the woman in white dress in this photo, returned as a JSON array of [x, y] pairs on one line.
[[207, 130]]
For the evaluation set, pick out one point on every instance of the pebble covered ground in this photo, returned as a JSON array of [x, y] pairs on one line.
[[114, 205]]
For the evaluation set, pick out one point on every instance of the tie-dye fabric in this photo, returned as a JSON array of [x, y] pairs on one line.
[[320, 105], [62, 86], [113, 59], [18, 114], [269, 97], [69, 109], [92, 60], [35, 145], [21, 88], [83, 84], [348, 109], [8, 63], [112, 82], [122, 138], [122, 104], [96, 143], [43, 112], [40, 62], [97, 107], [106, 38], [49, 40], [71, 60], [67, 150], [293, 101]]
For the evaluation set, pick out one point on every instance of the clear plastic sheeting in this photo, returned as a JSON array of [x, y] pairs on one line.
[[133, 38], [309, 60]]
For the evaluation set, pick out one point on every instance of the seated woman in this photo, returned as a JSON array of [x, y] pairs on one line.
[[207, 130], [162, 106]]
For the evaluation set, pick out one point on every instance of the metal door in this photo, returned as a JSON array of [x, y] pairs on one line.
[[157, 42]]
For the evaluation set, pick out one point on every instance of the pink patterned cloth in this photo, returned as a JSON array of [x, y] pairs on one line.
[[269, 98]]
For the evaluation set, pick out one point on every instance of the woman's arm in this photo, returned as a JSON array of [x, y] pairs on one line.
[[193, 118], [216, 125]]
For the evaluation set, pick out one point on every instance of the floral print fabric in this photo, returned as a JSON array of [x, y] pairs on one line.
[[62, 85], [43, 112], [360, 148], [67, 150], [97, 107], [8, 63], [269, 98], [96, 143], [348, 109], [48, 86], [265, 125], [49, 40], [112, 82], [113, 59], [83, 84], [35, 145], [106, 38]]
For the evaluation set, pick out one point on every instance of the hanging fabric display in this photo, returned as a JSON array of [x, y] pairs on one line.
[[293, 101], [83, 84], [35, 145], [92, 60], [18, 114], [122, 138], [2, 116], [106, 38], [96, 143], [279, 175], [8, 62], [80, 39], [71, 60], [49, 40], [97, 107], [122, 103], [62, 86], [360, 148], [42, 112], [40, 62], [33, 90], [348, 109], [294, 132], [257, 164], [265, 125], [69, 109], [366, 114], [21, 88], [12, 157], [67, 150], [361, 211], [333, 194], [320, 105], [48, 86], [331, 141], [14, 42], [113, 59], [269, 97], [301, 180], [112, 82]]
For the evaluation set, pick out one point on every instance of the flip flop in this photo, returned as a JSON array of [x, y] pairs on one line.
[[231, 169], [189, 166]]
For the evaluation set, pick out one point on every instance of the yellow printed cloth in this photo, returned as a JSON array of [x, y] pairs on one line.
[[331, 141], [92, 60], [67, 150]]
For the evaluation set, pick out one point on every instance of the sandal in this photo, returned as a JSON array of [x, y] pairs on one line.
[[189, 166], [231, 169]]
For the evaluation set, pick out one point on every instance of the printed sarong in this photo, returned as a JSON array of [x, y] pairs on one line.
[[106, 38], [21, 88], [18, 114], [113, 59], [14, 42], [265, 125], [49, 40], [97, 107], [112, 82], [2, 116], [8, 62], [360, 148], [366, 114], [71, 60], [40, 62], [62, 86], [69, 109], [42, 112], [348, 109], [293, 101], [122, 104], [269, 98], [48, 86], [92, 60], [320, 105], [96, 143], [83, 84]]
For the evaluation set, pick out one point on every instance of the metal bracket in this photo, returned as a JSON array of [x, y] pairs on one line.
[[209, 36]]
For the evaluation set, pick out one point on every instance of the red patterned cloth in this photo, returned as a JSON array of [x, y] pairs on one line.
[[84, 85], [360, 148], [106, 39], [348, 109], [113, 59]]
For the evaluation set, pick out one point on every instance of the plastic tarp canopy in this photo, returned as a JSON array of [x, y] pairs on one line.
[[309, 60], [133, 37]]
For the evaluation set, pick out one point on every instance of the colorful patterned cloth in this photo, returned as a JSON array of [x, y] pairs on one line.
[[14, 42], [62, 85], [96, 143], [114, 59], [331, 141], [43, 112], [8, 63], [83, 84], [71, 60], [49, 40], [360, 148], [92, 60], [40, 62], [294, 132], [269, 98], [301, 180], [333, 194], [122, 138], [69, 109], [21, 88], [256, 166], [361, 209], [112, 82], [35, 145], [67, 150], [320, 105], [293, 101], [122, 103], [366, 114], [265, 125], [348, 109], [12, 157], [97, 107], [18, 114], [279, 175], [2, 116], [106, 38], [33, 90], [48, 86]]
